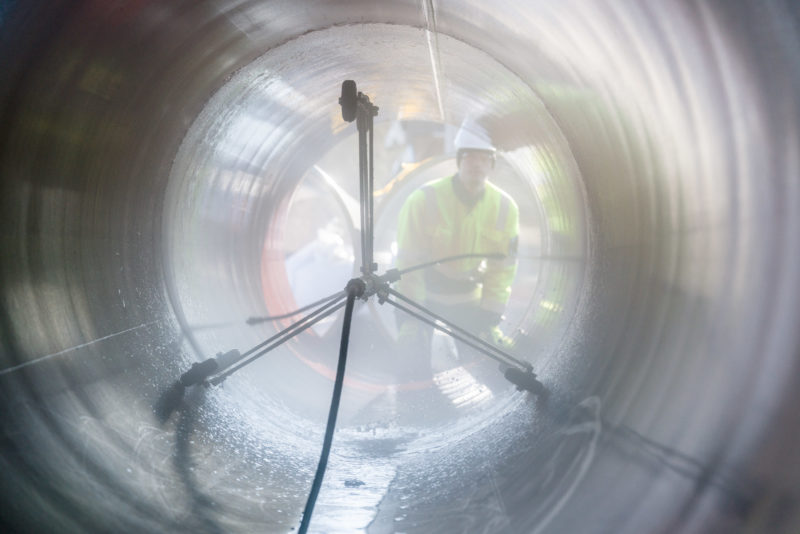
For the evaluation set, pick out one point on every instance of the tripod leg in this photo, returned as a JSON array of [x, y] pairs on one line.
[[456, 331], [518, 373], [280, 338]]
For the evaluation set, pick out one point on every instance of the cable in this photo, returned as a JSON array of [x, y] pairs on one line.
[[256, 320], [496, 256], [451, 258], [355, 288]]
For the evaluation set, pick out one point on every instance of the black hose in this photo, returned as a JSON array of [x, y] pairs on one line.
[[355, 288]]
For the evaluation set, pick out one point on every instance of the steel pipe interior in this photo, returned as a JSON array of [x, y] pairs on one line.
[[173, 168]]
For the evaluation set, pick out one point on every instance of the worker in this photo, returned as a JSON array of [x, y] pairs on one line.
[[460, 214]]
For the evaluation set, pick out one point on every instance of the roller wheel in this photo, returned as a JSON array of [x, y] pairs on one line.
[[349, 100]]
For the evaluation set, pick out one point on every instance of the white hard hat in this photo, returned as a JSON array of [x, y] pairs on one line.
[[473, 136]]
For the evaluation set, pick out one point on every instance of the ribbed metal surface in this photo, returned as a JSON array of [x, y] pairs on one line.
[[170, 169]]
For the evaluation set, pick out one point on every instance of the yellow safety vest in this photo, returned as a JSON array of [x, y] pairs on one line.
[[435, 223]]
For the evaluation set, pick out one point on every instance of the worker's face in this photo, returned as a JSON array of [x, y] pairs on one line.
[[474, 167]]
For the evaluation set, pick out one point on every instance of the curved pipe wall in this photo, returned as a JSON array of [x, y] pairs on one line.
[[157, 156]]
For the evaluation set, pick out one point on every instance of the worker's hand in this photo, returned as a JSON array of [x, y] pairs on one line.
[[486, 322], [496, 336]]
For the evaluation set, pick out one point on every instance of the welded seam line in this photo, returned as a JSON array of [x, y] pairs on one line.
[[433, 42], [76, 347]]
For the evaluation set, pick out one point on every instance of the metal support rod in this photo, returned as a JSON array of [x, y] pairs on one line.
[[256, 320], [281, 337], [371, 195], [457, 332], [362, 186], [443, 328], [365, 112]]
